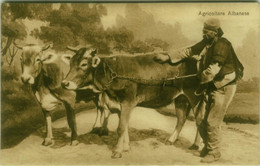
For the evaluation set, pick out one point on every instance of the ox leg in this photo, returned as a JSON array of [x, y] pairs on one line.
[[98, 123], [72, 123], [100, 126], [199, 114], [182, 108], [126, 146], [197, 142], [106, 114], [48, 140], [123, 141]]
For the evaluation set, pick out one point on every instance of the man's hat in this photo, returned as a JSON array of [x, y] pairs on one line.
[[213, 24]]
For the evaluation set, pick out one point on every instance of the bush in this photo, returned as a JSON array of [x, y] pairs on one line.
[[18, 105]]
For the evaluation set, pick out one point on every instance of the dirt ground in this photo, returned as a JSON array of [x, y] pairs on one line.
[[148, 131]]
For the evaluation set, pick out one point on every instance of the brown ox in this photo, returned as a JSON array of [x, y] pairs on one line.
[[132, 81], [44, 71]]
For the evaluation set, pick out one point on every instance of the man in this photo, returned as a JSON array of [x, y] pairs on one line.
[[220, 69]]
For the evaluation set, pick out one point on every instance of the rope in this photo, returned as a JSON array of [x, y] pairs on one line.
[[150, 82]]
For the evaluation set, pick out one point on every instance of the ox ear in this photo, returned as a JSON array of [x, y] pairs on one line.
[[48, 58], [95, 61], [93, 52], [72, 49], [66, 58]]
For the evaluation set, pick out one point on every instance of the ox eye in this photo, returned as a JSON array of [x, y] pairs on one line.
[[84, 65], [37, 60]]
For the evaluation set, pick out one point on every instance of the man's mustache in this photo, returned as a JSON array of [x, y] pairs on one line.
[[208, 38]]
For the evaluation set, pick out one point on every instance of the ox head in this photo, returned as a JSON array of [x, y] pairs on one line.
[[82, 65], [32, 58]]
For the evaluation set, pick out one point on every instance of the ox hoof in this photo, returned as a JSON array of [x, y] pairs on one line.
[[100, 131], [127, 149], [194, 147], [47, 142], [95, 130], [104, 132], [74, 143], [116, 155]]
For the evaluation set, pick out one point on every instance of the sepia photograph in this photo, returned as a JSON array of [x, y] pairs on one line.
[[120, 83]]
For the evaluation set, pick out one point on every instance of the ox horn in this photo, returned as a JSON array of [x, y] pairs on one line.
[[46, 47], [19, 47], [71, 49]]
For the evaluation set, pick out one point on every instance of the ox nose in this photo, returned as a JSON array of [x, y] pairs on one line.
[[65, 83], [27, 79]]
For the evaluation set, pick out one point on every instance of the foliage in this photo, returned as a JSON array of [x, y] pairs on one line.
[[119, 38], [12, 26], [140, 47], [157, 43], [14, 93], [73, 25], [12, 13], [13, 29], [8, 74], [80, 24], [30, 10]]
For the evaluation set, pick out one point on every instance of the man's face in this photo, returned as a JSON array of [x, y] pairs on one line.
[[209, 35]]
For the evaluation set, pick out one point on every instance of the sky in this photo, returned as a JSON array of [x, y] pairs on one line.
[[187, 14]]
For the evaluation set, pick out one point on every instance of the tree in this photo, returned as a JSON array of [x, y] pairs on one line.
[[12, 31], [140, 47], [157, 43], [12, 25], [30, 10], [119, 39], [75, 24]]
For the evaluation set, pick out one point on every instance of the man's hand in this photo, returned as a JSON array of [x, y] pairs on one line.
[[208, 74], [196, 57], [206, 77], [162, 58]]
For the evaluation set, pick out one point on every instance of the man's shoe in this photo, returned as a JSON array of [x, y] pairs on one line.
[[204, 152], [211, 157]]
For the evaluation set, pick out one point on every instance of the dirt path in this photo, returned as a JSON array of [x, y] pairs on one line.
[[147, 134]]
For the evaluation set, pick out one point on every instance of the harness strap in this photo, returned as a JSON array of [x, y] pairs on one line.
[[149, 82]]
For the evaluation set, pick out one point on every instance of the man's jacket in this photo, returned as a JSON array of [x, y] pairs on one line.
[[223, 53]]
